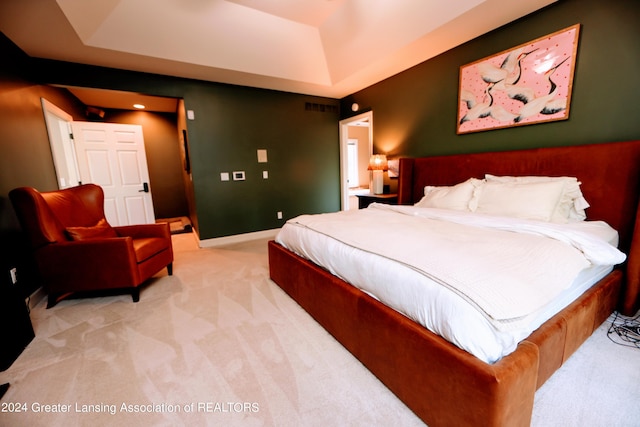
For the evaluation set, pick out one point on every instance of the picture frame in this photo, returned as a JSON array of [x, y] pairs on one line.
[[528, 84]]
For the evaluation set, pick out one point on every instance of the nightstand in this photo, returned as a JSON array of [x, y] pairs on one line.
[[365, 200]]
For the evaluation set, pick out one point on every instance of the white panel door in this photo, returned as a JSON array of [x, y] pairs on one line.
[[112, 156]]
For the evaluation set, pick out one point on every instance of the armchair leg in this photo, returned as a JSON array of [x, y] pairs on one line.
[[51, 300], [135, 294], [170, 269], [55, 298]]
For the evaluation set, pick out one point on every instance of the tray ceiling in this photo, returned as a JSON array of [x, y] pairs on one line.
[[327, 48]]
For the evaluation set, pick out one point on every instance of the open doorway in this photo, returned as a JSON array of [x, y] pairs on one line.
[[164, 125], [356, 147], [108, 154]]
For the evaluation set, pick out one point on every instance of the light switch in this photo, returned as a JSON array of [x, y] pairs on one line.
[[265, 174], [191, 115], [224, 176], [238, 175], [262, 156]]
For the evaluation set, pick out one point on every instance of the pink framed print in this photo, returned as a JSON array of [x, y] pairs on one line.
[[527, 84]]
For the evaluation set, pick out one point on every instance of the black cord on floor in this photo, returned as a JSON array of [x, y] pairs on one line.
[[625, 330]]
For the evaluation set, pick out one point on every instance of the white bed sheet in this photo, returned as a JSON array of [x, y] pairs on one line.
[[423, 300]]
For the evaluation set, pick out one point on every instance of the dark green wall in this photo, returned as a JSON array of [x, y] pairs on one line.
[[231, 124], [415, 112]]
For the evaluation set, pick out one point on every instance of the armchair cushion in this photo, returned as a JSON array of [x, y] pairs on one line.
[[99, 231]]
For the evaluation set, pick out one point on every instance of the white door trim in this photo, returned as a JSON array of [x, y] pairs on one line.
[[62, 145], [344, 153]]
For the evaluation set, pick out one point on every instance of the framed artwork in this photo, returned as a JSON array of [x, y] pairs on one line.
[[527, 84]]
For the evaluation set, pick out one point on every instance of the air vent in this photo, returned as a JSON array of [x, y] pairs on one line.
[[320, 108]]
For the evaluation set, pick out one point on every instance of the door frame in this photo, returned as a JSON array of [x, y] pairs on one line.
[[65, 161], [344, 153]]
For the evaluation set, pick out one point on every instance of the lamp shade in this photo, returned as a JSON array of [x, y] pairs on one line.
[[378, 162]]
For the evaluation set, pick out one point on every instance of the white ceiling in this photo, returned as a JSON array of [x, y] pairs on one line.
[[327, 48]]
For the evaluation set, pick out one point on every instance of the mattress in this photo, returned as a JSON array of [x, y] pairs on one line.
[[425, 300]]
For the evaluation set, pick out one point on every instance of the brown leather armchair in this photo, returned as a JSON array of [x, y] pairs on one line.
[[76, 250]]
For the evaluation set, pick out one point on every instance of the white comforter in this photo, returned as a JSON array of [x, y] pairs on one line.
[[500, 275]]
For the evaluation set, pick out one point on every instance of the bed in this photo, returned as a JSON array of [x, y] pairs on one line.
[[442, 383]]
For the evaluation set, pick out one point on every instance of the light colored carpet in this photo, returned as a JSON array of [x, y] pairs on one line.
[[598, 386], [218, 343]]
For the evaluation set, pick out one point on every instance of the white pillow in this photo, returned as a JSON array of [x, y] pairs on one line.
[[534, 200], [455, 197], [572, 205]]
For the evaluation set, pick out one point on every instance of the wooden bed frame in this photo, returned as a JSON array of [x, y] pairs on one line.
[[441, 383]]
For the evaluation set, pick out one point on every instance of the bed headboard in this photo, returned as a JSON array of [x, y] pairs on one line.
[[609, 172]]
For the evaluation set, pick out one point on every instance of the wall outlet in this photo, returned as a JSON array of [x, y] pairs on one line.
[[14, 275], [279, 215]]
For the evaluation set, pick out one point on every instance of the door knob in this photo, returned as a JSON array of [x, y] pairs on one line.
[[145, 188]]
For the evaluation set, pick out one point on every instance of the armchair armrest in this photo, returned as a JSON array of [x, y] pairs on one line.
[[144, 230], [83, 264]]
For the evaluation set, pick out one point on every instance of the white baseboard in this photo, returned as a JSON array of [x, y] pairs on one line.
[[238, 238], [37, 296]]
